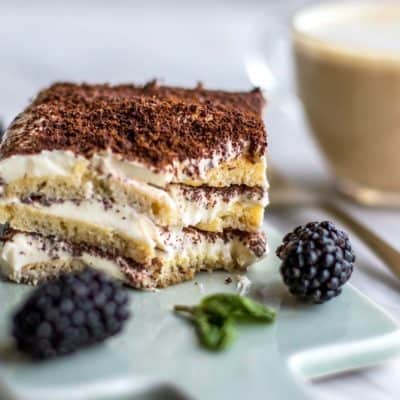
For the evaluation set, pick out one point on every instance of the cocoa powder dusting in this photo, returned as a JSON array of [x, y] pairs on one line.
[[155, 125]]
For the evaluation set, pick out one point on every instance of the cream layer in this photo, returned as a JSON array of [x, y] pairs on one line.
[[184, 209], [122, 219], [24, 249], [203, 205], [65, 163]]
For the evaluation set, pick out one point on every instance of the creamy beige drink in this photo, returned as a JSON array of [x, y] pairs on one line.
[[348, 72]]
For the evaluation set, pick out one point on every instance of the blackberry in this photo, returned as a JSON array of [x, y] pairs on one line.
[[68, 313], [317, 260]]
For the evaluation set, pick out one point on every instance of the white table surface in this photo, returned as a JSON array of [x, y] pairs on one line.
[[183, 42]]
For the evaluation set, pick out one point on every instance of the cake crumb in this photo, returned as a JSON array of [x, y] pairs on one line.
[[228, 280], [243, 284], [151, 289], [200, 286]]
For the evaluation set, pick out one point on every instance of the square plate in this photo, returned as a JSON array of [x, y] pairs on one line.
[[157, 355]]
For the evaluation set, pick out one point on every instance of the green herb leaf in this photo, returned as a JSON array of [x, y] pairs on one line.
[[214, 317], [214, 333], [238, 307]]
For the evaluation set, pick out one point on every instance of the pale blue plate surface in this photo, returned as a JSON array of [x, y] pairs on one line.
[[157, 356]]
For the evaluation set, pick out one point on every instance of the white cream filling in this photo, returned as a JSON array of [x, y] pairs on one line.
[[109, 163], [44, 164], [119, 218], [63, 163], [60, 163], [198, 211], [25, 249], [181, 244], [148, 191], [124, 220], [192, 245]]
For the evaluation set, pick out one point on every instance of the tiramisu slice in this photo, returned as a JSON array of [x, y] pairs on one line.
[[149, 183]]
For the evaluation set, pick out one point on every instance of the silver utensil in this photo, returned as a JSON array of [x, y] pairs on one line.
[[284, 193]]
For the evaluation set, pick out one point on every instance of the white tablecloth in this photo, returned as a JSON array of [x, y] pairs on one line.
[[183, 42]]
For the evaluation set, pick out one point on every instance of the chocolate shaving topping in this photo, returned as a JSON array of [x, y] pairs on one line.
[[155, 125]]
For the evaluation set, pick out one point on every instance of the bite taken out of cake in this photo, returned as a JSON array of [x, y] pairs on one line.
[[148, 183]]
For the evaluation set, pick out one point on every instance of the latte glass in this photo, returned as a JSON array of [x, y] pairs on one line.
[[346, 62]]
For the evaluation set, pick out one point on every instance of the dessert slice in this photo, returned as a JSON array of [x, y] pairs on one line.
[[132, 173]]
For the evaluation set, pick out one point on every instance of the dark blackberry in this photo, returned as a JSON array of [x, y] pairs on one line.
[[317, 260], [68, 313]]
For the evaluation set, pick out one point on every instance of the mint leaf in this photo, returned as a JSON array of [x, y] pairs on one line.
[[238, 307], [215, 333], [256, 311], [215, 316]]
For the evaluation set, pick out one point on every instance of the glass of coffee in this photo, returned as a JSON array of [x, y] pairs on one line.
[[346, 59]]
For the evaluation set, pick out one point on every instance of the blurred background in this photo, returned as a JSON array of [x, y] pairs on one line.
[[224, 44]]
